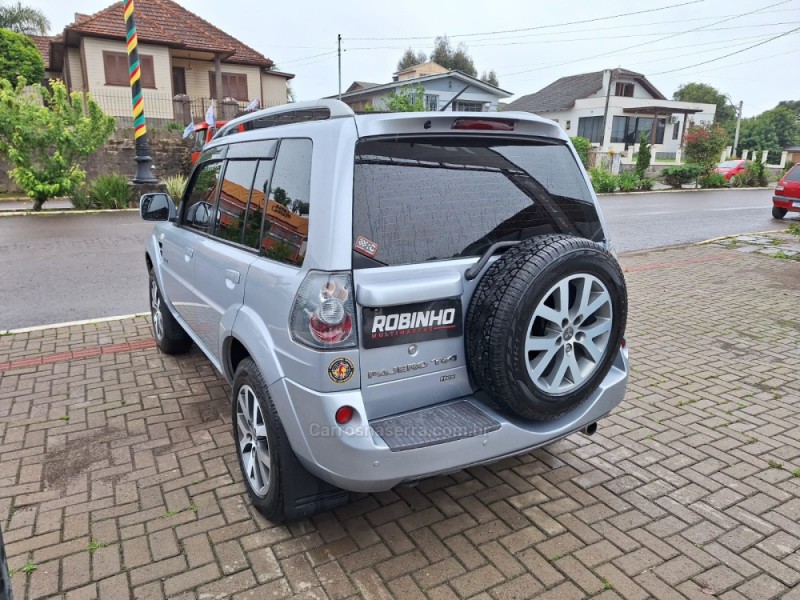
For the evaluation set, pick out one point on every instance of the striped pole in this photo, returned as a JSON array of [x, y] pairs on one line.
[[144, 172]]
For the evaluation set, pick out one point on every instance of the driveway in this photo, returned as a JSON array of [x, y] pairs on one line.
[[118, 477], [66, 268]]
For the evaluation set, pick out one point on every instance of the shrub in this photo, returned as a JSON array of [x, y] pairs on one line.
[[603, 181], [628, 181], [754, 175], [677, 176], [703, 145], [582, 147], [712, 180], [787, 167], [173, 126], [643, 158], [80, 199], [19, 58], [111, 191], [175, 186], [645, 184]]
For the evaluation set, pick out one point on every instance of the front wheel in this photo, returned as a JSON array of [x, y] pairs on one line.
[[778, 212], [170, 336]]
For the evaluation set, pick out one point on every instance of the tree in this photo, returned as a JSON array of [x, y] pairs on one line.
[[409, 98], [454, 60], [643, 158], [702, 92], [44, 134], [772, 130], [703, 145], [19, 57], [281, 197], [490, 78], [23, 19], [409, 59], [793, 105]]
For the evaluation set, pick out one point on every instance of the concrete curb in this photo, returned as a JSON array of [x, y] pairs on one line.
[[72, 323], [733, 235], [671, 191], [45, 213]]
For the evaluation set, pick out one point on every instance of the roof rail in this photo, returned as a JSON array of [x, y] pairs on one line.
[[296, 112]]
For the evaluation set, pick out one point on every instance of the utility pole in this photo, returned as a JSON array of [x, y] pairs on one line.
[[736, 135], [339, 39], [605, 110]]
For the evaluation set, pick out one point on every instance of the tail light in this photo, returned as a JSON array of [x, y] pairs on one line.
[[324, 314], [779, 190]]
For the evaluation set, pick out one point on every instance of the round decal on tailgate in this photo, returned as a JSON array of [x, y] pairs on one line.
[[341, 370]]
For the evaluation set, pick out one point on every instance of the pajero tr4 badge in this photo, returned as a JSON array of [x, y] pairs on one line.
[[411, 323]]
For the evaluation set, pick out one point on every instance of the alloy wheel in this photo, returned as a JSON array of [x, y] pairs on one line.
[[155, 310], [253, 444]]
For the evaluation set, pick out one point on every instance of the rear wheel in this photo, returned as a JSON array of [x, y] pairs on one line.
[[278, 485], [778, 212], [545, 324], [170, 336]]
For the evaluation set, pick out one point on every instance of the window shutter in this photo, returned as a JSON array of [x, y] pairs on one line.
[[148, 71]]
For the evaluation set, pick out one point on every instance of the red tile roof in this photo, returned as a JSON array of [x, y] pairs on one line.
[[167, 23], [42, 43]]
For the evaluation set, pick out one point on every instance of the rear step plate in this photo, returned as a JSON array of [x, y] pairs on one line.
[[434, 425]]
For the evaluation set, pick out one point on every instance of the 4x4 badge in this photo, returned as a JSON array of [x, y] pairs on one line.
[[341, 370]]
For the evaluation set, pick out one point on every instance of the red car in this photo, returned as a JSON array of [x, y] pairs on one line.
[[787, 194], [729, 168]]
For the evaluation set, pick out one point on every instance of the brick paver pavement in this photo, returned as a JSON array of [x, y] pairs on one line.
[[118, 478]]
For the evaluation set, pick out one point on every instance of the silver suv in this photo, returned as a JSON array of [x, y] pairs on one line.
[[390, 296]]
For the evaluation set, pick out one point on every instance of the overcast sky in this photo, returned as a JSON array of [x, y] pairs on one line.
[[301, 38]]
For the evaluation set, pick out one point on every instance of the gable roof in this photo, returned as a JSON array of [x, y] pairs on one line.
[[167, 23], [500, 93], [361, 85], [42, 43], [562, 93]]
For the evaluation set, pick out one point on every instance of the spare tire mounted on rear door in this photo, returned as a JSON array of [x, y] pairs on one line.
[[545, 323]]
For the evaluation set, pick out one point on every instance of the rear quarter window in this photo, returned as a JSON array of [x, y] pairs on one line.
[[433, 199]]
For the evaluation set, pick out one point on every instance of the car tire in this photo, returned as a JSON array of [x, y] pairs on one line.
[[778, 212], [529, 347], [5, 578], [168, 333], [279, 486]]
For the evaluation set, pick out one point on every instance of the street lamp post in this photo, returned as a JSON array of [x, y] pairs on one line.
[[144, 171]]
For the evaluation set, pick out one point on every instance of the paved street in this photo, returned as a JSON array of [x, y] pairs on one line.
[[67, 268], [118, 477]]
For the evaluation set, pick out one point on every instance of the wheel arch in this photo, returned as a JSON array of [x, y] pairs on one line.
[[249, 337]]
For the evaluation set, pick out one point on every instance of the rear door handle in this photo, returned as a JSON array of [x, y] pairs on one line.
[[232, 276]]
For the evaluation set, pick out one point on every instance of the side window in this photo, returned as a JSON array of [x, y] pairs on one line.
[[234, 196], [286, 219], [200, 200], [258, 201]]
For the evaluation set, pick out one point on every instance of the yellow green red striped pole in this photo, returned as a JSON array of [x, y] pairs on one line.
[[144, 173]]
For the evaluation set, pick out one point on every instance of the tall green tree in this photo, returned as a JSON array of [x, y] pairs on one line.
[[793, 105], [19, 57], [772, 130], [23, 19], [411, 58], [490, 78], [702, 92], [44, 135], [454, 59]]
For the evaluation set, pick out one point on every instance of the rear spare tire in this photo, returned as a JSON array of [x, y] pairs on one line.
[[545, 323]]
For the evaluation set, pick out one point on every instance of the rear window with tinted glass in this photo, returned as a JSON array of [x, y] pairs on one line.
[[793, 174], [434, 198]]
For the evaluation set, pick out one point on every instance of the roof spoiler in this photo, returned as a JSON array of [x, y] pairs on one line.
[[296, 112]]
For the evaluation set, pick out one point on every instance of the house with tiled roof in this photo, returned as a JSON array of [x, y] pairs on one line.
[[442, 89], [612, 108], [185, 62]]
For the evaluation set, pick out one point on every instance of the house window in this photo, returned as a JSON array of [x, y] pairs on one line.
[[591, 128], [115, 65], [624, 89], [431, 102], [234, 85], [468, 106], [676, 129], [628, 130]]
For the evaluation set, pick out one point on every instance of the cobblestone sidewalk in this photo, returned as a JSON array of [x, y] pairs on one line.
[[118, 478]]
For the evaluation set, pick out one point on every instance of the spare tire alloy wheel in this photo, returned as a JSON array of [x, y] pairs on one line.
[[545, 324], [569, 333]]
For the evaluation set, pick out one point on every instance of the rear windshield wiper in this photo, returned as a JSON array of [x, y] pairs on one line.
[[476, 269]]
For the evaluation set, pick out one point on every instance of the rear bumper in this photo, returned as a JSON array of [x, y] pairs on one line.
[[787, 203], [356, 458]]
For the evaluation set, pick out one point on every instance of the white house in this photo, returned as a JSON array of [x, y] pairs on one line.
[[612, 108], [453, 89]]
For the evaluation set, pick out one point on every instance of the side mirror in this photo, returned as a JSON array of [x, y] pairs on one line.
[[157, 207]]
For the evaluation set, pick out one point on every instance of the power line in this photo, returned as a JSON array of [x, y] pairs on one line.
[[617, 51], [284, 62], [538, 27], [705, 62]]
